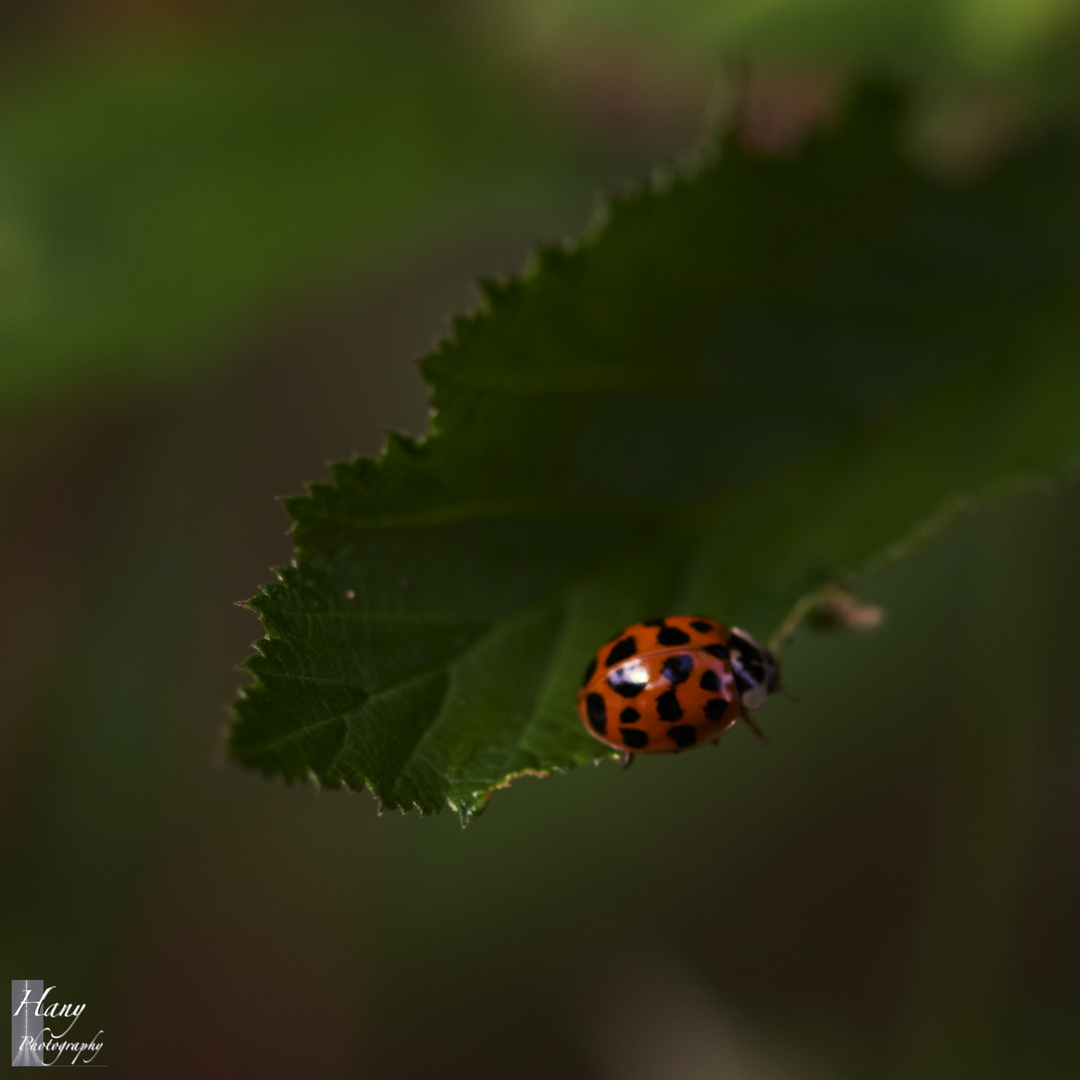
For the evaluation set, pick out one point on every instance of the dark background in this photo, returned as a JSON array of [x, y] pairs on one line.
[[226, 231]]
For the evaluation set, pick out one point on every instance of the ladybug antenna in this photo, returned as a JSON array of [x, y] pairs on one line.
[[753, 727]]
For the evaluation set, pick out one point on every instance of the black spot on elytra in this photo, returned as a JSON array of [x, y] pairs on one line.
[[710, 681], [719, 651], [597, 712], [668, 707], [683, 735], [628, 683], [621, 650], [590, 671], [702, 627], [634, 737], [716, 708], [677, 669], [629, 716], [672, 635]]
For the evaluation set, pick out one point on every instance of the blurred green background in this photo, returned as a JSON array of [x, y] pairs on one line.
[[226, 230]]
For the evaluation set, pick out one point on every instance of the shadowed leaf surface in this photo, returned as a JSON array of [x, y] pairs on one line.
[[744, 386]]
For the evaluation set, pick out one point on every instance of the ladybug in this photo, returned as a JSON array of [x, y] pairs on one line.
[[666, 685]]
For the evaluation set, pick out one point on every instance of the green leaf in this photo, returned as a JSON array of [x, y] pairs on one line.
[[743, 387]]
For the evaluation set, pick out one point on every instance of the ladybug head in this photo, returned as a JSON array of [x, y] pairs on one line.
[[756, 672]]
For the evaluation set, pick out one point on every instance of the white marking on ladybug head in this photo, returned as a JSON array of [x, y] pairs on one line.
[[747, 637], [756, 696]]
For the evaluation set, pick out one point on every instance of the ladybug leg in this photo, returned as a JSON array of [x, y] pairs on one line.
[[627, 759], [753, 727]]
